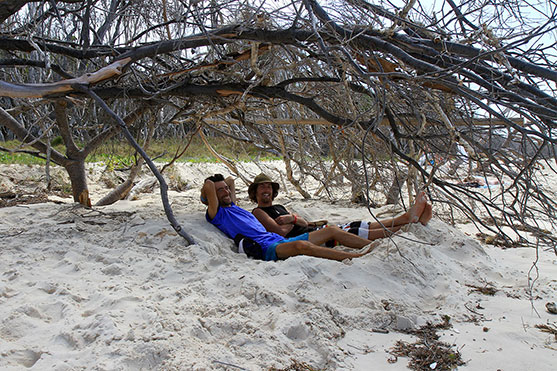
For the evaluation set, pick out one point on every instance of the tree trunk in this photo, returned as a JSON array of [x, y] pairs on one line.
[[394, 192], [78, 179]]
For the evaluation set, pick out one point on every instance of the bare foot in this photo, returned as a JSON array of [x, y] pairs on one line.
[[427, 214], [367, 248], [417, 209]]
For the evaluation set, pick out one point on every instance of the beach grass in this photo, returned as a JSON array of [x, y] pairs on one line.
[[119, 153]]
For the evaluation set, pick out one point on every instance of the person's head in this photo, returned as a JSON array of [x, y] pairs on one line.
[[263, 189], [222, 190], [216, 178]]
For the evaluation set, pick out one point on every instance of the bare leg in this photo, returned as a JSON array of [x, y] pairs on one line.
[[411, 216], [374, 234], [285, 250], [424, 218], [427, 214], [333, 232]]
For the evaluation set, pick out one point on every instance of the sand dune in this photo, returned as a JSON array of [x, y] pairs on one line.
[[114, 288]]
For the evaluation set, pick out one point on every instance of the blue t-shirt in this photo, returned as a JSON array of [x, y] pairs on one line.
[[233, 220]]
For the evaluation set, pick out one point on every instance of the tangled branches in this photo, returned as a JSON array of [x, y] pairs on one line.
[[458, 99]]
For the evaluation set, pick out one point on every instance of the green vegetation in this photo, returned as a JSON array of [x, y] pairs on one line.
[[116, 154], [19, 158]]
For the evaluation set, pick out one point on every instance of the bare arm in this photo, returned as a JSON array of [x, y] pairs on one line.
[[209, 193], [291, 219], [232, 186], [269, 223]]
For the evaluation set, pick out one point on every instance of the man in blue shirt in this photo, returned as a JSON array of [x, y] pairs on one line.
[[220, 196]]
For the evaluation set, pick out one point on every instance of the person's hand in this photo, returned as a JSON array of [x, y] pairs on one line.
[[284, 219]]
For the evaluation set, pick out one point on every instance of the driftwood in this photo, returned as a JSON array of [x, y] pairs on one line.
[[64, 86], [143, 186], [123, 189]]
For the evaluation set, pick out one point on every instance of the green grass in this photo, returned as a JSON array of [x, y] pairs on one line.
[[19, 158], [115, 154]]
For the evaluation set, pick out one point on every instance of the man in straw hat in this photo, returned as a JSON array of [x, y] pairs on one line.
[[220, 197], [277, 219]]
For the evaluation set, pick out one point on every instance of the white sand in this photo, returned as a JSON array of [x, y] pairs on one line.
[[114, 288]]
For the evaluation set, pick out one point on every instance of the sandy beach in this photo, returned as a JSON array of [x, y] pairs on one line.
[[115, 288]]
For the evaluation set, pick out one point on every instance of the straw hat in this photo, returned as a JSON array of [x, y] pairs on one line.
[[261, 178]]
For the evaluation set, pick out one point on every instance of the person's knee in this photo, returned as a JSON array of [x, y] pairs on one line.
[[335, 230], [303, 247]]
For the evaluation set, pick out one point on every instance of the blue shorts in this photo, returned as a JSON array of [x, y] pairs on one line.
[[271, 252]]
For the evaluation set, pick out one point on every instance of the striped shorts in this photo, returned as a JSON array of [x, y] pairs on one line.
[[359, 228]]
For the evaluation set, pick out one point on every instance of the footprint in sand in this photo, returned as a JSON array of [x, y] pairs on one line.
[[26, 358], [67, 340], [48, 287], [297, 332], [52, 312], [112, 270]]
